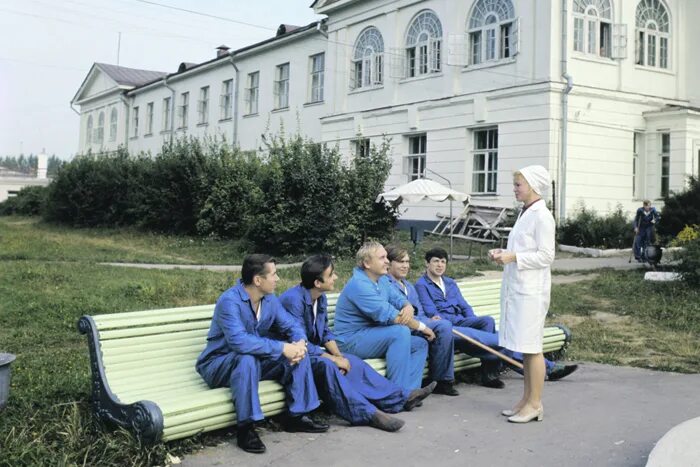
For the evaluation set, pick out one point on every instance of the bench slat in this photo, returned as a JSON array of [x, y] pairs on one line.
[[154, 319], [171, 339], [145, 331]]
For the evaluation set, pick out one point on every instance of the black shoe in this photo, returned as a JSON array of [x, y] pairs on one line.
[[493, 383], [386, 422], [447, 388], [304, 424], [417, 395], [561, 371], [249, 441]]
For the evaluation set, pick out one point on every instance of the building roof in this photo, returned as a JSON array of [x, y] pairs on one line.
[[129, 76]]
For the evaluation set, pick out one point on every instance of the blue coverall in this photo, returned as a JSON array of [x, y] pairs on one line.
[[441, 350], [364, 326], [356, 395], [645, 222], [452, 305], [240, 352]]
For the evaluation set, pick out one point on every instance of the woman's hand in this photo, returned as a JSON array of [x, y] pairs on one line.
[[502, 256]]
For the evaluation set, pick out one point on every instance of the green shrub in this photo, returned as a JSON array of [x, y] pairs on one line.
[[689, 262], [681, 209], [30, 201], [588, 229]]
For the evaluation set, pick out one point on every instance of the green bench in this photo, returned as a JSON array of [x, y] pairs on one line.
[[143, 367]]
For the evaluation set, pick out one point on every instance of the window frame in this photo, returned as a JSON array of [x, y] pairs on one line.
[[317, 77], [593, 27], [135, 122], [100, 130], [423, 51], [490, 162], [653, 33], [252, 93], [361, 147], [183, 110], [226, 100], [665, 163], [203, 106], [492, 32], [149, 118], [281, 86], [367, 63], [89, 126], [167, 102], [416, 160], [113, 124]]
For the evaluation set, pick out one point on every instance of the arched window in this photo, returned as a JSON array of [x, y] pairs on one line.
[[99, 138], [88, 131], [113, 124], [593, 27], [368, 59], [492, 31], [423, 45], [653, 34]]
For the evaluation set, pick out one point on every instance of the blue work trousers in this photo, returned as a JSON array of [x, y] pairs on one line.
[[641, 241], [405, 354], [243, 372], [441, 351], [357, 395]]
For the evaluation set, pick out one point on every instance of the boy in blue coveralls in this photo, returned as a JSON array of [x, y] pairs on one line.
[[645, 221], [440, 296], [373, 320], [441, 357], [353, 389], [241, 351]]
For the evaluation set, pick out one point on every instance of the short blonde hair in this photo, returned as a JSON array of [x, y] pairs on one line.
[[365, 252]]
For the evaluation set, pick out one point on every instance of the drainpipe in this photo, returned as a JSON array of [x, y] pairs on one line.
[[564, 110], [172, 108], [235, 102]]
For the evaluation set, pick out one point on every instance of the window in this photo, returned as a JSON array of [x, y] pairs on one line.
[[360, 147], [416, 156], [135, 122], [317, 65], [100, 133], [88, 131], [636, 149], [183, 109], [493, 31], [113, 124], [252, 93], [485, 169], [653, 34], [166, 114], [203, 105], [593, 27], [368, 59], [424, 45], [282, 86], [149, 118], [226, 99], [665, 162]]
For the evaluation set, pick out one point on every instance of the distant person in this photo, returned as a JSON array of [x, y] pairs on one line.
[[645, 222], [525, 291], [374, 320], [241, 351], [352, 388]]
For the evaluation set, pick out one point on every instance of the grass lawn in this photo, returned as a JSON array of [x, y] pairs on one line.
[[49, 278]]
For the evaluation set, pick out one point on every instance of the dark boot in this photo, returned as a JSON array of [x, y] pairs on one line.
[[385, 422], [447, 388], [304, 424], [417, 395], [248, 439], [561, 371]]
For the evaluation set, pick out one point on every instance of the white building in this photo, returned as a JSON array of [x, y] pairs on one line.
[[605, 93], [12, 182]]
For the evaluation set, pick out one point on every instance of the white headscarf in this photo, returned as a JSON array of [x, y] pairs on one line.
[[537, 177]]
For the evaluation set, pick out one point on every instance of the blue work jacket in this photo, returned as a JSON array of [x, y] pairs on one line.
[[364, 303], [434, 302], [297, 301], [235, 328], [411, 294]]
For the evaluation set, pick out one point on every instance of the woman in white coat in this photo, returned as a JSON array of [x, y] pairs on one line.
[[526, 287]]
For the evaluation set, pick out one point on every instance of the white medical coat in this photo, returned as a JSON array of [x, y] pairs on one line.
[[526, 287]]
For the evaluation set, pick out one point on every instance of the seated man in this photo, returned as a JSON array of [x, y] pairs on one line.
[[440, 296], [373, 320], [353, 389], [441, 349], [240, 352]]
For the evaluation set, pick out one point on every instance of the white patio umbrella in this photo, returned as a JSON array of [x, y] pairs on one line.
[[421, 189]]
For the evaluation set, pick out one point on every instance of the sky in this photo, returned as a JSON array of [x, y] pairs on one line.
[[48, 47]]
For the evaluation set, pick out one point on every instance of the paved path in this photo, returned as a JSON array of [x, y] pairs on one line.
[[599, 416]]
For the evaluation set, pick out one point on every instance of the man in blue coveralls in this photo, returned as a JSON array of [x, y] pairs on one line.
[[373, 320], [441, 349], [441, 297], [241, 351], [645, 220], [353, 389]]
